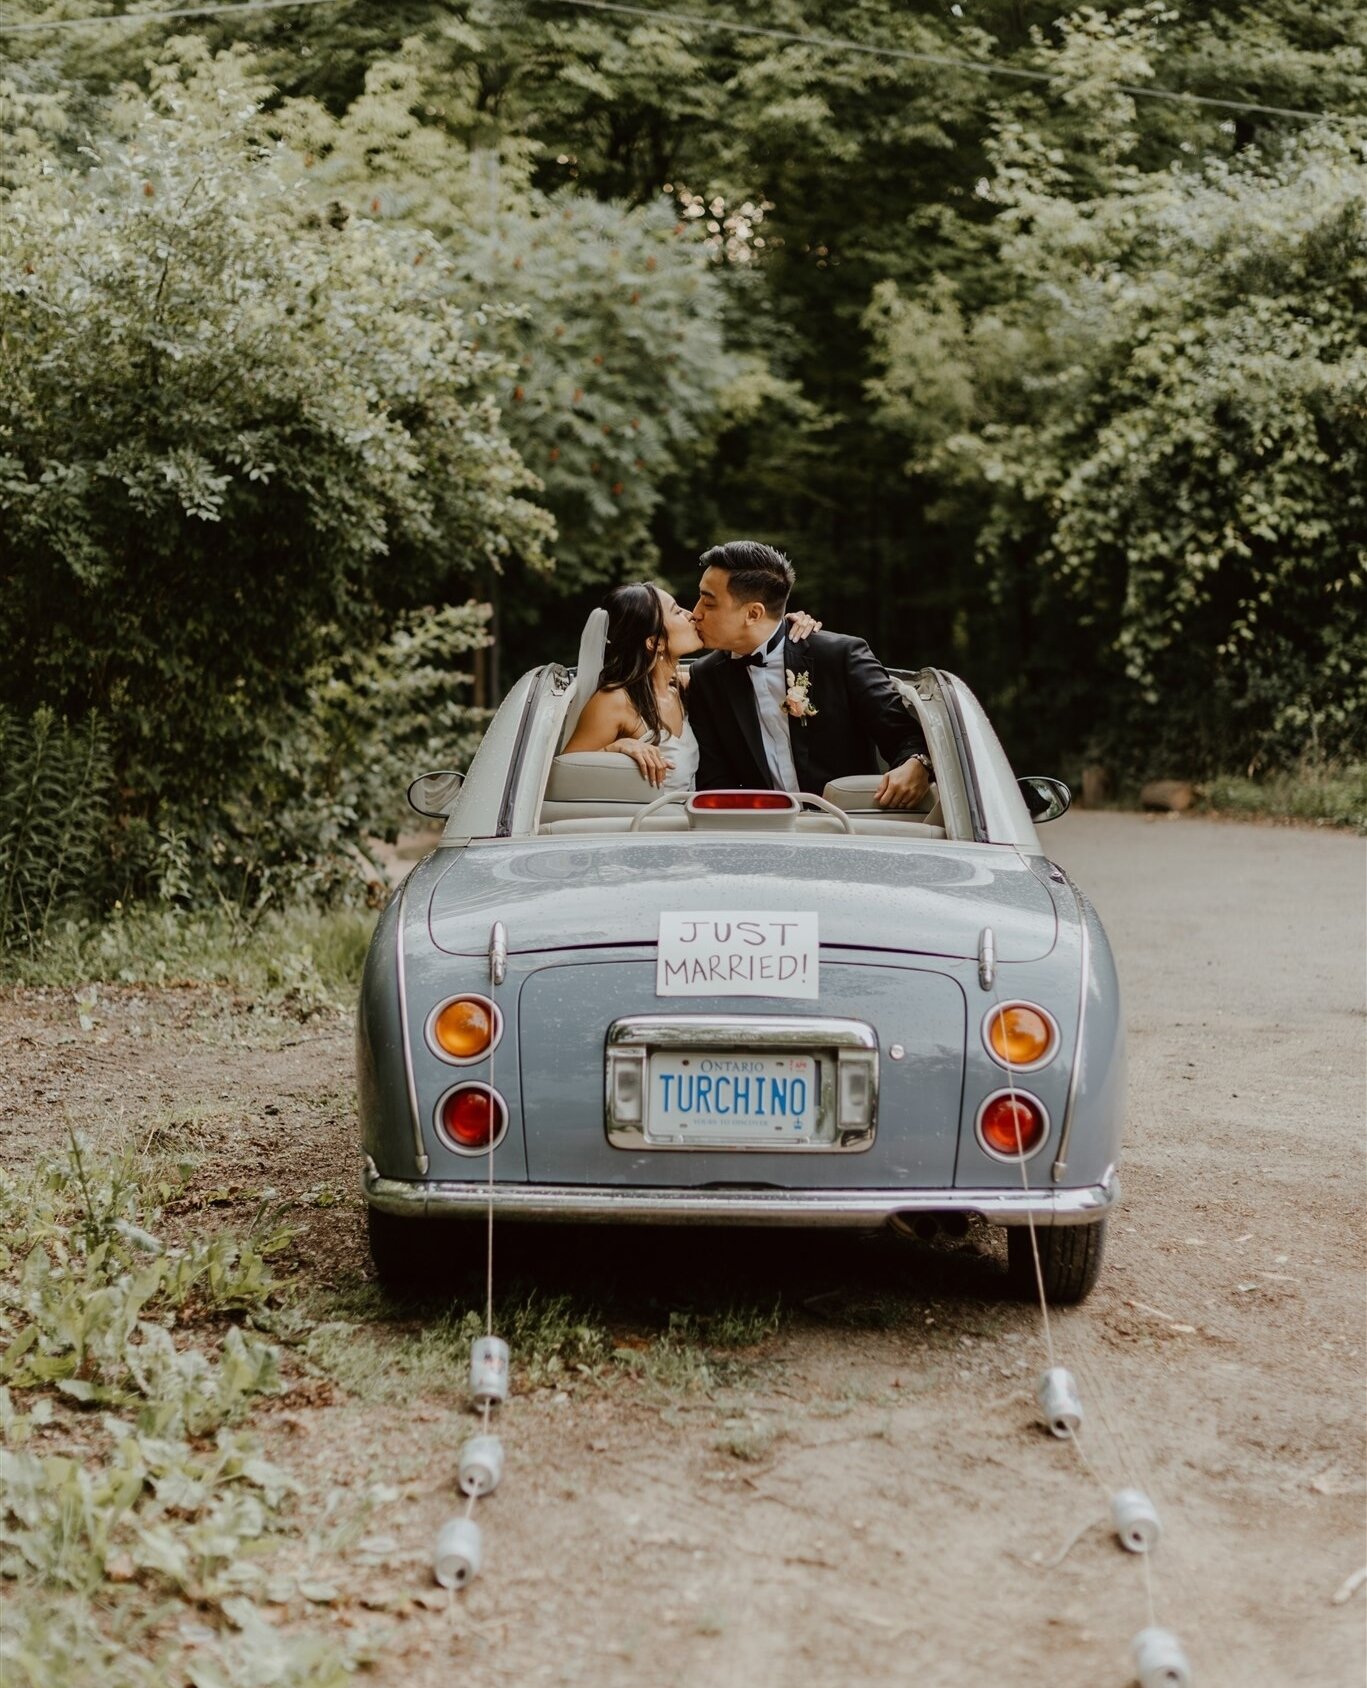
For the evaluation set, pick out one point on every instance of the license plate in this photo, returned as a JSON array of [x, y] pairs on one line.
[[736, 1101]]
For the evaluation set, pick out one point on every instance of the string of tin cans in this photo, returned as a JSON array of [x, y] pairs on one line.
[[459, 1550], [1159, 1658]]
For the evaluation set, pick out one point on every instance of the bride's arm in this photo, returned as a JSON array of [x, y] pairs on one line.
[[603, 721], [606, 725]]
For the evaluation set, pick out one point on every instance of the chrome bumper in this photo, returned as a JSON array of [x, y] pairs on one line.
[[850, 1209]]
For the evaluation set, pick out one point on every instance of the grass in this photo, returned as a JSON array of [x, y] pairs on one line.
[[381, 1354], [1329, 796], [139, 1511], [305, 958]]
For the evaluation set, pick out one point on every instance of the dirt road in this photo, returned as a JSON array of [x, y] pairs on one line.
[[862, 1496]]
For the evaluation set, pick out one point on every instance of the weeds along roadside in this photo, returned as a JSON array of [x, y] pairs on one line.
[[302, 958], [145, 1536]]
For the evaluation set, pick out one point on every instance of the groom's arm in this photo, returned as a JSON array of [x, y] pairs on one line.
[[893, 725]]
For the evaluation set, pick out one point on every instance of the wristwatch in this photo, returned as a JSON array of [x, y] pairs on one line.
[[925, 761]]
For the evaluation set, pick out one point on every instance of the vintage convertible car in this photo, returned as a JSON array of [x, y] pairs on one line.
[[590, 1002]]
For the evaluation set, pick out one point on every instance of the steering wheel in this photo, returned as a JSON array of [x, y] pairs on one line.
[[656, 803]]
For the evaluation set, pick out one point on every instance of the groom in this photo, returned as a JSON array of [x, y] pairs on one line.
[[754, 728]]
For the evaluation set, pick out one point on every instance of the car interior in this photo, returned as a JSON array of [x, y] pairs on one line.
[[600, 791]]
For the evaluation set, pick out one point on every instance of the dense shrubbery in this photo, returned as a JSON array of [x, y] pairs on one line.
[[237, 440], [296, 343]]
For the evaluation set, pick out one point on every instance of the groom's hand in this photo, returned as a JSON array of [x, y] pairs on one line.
[[903, 787]]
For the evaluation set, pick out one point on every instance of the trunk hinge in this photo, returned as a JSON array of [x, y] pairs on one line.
[[987, 958], [498, 953]]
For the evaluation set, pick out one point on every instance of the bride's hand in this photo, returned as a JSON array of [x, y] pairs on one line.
[[651, 761], [801, 626]]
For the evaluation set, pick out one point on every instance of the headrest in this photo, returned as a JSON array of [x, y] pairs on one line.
[[597, 776]]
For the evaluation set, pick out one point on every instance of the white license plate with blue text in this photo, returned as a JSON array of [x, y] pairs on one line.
[[734, 1101]]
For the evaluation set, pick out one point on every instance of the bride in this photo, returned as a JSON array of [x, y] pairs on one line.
[[630, 692]]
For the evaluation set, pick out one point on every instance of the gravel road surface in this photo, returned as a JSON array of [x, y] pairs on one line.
[[866, 1498]]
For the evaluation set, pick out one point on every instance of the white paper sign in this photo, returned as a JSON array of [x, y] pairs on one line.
[[728, 953]]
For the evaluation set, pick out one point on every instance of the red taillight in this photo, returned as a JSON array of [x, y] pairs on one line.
[[1012, 1124], [471, 1117], [742, 800]]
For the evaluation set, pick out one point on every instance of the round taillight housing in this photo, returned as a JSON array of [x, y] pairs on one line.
[[472, 1118], [1020, 1034], [1012, 1125], [464, 1028]]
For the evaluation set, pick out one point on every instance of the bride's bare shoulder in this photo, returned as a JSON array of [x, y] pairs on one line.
[[606, 717]]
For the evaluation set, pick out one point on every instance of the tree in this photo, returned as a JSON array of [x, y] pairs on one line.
[[1163, 420], [234, 435]]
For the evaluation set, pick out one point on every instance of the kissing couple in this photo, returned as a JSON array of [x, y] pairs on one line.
[[776, 704]]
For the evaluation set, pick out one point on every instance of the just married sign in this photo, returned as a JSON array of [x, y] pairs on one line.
[[730, 953]]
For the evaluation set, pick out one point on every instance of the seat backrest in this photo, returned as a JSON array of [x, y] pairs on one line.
[[854, 794], [596, 776]]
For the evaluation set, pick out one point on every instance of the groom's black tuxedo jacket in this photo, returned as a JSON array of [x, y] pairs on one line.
[[858, 713]]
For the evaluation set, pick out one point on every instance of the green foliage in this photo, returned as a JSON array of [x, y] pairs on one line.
[[617, 364], [1163, 423], [233, 437], [298, 959], [1328, 796], [54, 796], [175, 1503]]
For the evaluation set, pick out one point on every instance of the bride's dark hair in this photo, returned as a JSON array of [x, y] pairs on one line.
[[636, 635]]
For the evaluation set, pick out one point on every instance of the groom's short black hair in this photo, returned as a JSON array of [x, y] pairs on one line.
[[758, 573]]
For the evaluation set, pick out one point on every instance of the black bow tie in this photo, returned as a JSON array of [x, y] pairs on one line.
[[756, 659]]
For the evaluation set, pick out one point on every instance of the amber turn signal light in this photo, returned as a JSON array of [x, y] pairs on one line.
[[465, 1028], [1012, 1124], [1020, 1035]]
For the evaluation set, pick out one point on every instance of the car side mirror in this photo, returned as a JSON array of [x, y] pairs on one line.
[[1045, 798], [433, 794]]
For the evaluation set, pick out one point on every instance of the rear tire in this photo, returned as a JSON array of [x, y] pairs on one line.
[[414, 1257], [1069, 1258]]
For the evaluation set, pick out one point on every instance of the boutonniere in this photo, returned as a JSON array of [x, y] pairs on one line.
[[797, 702]]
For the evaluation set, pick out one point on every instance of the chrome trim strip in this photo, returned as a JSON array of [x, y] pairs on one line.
[[498, 953], [419, 1153], [854, 1042], [742, 1031], [1060, 1165], [851, 1209], [987, 958]]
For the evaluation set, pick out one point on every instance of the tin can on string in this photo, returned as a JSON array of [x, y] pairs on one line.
[[1059, 1407], [458, 1554], [488, 1370], [481, 1465], [1159, 1661], [1134, 1519]]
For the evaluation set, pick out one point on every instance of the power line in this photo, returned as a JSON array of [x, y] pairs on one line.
[[157, 17], [728, 26], [985, 67]]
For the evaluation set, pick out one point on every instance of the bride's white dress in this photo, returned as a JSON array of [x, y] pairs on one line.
[[682, 750]]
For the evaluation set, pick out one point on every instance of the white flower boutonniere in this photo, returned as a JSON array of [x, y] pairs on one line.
[[797, 703]]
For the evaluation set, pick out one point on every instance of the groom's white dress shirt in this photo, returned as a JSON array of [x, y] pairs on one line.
[[771, 687]]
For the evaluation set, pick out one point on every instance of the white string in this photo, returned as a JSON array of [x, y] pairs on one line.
[[732, 26], [1075, 1439]]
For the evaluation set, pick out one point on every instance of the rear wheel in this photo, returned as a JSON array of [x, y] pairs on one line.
[[415, 1256], [1069, 1258]]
